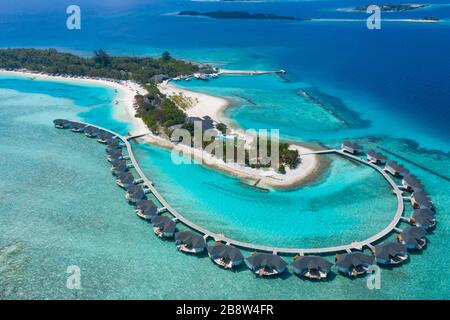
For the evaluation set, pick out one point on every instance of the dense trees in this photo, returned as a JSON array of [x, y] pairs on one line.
[[155, 108], [101, 65]]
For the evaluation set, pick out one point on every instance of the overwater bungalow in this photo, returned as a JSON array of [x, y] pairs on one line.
[[225, 255], [77, 127], [114, 155], [117, 163], [391, 253], [125, 179], [164, 227], [375, 157], [113, 144], [312, 267], [423, 218], [104, 136], [397, 170], [421, 200], [121, 168], [91, 132], [351, 147], [354, 264], [134, 193], [266, 264], [62, 123], [411, 183], [146, 209], [189, 242], [413, 238]]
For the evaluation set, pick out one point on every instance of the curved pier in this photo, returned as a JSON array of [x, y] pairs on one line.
[[358, 245]]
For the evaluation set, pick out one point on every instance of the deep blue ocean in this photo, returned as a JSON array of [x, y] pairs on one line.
[[391, 86]]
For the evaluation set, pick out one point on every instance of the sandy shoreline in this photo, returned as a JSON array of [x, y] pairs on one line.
[[202, 105]]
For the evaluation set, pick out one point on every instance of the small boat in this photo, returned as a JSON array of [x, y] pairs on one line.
[[189, 242], [266, 264]]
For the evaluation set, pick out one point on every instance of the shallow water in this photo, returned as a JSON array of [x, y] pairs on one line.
[[63, 208], [59, 205]]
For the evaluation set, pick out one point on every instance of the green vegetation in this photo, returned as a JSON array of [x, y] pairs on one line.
[[238, 15], [155, 108], [393, 7], [51, 61]]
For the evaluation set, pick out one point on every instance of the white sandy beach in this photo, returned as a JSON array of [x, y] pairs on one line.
[[202, 105]]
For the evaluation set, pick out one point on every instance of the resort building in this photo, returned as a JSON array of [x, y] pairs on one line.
[[375, 157], [413, 238], [423, 218], [266, 264], [164, 227], [103, 137], [353, 264], [397, 170], [391, 253], [412, 183], [91, 132], [146, 209], [115, 154], [312, 267], [77, 127], [118, 169], [351, 147], [190, 242], [125, 179], [62, 124], [134, 193], [225, 255], [420, 200]]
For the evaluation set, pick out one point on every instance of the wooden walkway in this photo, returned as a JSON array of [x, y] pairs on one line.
[[358, 245]]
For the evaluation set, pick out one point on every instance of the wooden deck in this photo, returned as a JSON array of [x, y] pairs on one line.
[[358, 245]]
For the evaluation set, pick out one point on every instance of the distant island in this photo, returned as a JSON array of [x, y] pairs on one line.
[[239, 15], [393, 7]]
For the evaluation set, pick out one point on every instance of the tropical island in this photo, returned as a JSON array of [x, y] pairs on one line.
[[393, 7], [243, 15], [162, 108]]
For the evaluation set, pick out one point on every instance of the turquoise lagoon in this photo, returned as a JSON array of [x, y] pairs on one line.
[[60, 207]]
